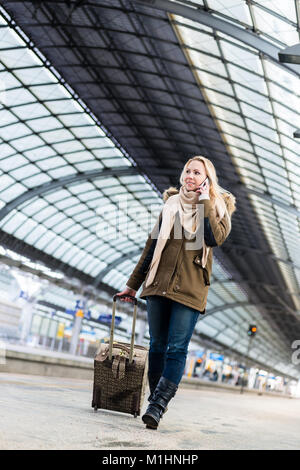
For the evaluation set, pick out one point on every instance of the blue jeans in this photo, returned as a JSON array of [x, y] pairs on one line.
[[171, 326]]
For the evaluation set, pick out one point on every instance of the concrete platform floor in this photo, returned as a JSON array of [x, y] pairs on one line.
[[55, 413]]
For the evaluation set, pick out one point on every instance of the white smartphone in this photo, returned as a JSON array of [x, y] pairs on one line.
[[206, 181]]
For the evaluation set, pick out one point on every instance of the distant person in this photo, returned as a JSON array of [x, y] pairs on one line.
[[214, 376], [177, 278]]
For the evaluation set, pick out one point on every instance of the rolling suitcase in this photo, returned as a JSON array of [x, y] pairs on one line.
[[120, 372]]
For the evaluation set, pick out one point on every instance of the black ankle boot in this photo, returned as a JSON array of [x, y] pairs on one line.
[[161, 396], [153, 380]]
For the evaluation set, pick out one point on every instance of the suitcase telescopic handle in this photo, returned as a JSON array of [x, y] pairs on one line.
[[112, 328]]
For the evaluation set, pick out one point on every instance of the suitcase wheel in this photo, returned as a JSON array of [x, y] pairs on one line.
[[135, 414]]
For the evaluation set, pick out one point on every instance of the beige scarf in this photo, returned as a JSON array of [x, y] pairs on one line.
[[186, 203]]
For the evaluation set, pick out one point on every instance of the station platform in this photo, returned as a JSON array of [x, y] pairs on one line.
[[55, 413], [24, 359]]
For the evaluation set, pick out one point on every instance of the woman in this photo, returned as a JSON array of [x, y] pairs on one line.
[[176, 270]]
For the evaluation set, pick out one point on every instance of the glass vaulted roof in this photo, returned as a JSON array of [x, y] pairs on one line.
[[48, 135], [255, 103]]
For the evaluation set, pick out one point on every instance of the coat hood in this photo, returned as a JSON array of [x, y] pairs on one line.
[[229, 198]]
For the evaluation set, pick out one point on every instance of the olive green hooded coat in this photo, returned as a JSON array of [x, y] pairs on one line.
[[180, 275]]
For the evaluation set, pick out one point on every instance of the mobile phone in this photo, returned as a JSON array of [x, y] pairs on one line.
[[206, 181]]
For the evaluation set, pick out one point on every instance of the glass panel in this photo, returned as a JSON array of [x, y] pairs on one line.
[[282, 77], [14, 131], [258, 115], [115, 162], [286, 127], [36, 180], [12, 190], [265, 143], [242, 57], [261, 129], [268, 155], [275, 27], [248, 79], [287, 114], [45, 240], [226, 101], [88, 166], [235, 131], [72, 119], [285, 9], [192, 23], [62, 172], [262, 102], [56, 135], [217, 83], [19, 96], [241, 144], [33, 111], [283, 96], [199, 40], [232, 8]]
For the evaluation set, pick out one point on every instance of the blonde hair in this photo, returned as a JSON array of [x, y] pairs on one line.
[[215, 190]]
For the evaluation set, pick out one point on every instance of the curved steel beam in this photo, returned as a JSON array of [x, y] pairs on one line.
[[65, 181], [206, 18]]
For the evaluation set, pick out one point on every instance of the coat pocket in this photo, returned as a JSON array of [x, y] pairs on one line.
[[197, 260]]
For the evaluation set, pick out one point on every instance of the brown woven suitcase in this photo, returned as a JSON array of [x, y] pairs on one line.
[[120, 372]]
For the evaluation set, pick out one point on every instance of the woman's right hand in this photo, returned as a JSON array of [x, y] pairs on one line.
[[128, 291]]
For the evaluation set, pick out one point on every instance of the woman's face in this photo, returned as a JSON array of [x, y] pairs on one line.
[[195, 174]]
